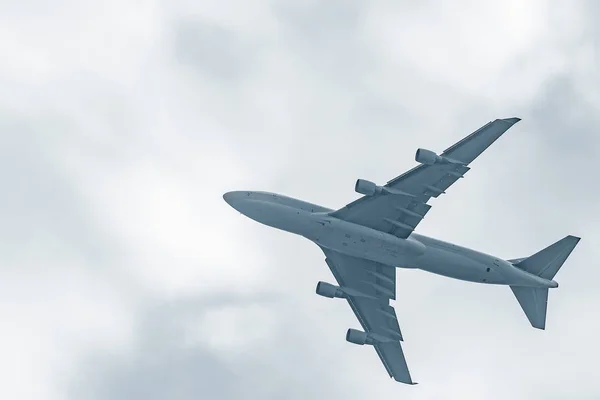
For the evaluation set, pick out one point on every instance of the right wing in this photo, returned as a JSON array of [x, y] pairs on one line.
[[368, 286], [400, 214]]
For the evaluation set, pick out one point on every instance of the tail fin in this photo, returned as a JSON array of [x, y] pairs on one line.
[[545, 264]]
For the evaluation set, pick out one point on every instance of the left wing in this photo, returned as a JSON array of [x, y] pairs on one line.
[[400, 205], [368, 287]]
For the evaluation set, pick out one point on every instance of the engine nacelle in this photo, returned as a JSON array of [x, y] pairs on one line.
[[428, 157], [366, 187], [358, 337], [328, 290]]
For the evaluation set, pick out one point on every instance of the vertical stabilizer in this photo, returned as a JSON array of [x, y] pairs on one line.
[[545, 264]]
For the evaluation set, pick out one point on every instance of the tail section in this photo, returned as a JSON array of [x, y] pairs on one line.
[[545, 264], [534, 302]]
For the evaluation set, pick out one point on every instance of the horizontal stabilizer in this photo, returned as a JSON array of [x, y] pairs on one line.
[[534, 302]]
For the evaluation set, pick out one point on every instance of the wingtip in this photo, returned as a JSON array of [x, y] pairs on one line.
[[410, 382], [512, 120]]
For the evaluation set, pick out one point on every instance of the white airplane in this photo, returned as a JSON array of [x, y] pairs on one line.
[[367, 240]]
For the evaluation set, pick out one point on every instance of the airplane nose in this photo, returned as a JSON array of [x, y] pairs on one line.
[[236, 199], [243, 202], [231, 197], [228, 197]]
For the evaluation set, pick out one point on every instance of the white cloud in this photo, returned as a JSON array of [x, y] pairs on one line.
[[129, 120]]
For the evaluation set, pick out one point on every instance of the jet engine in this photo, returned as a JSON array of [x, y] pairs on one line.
[[369, 188], [429, 157], [366, 187], [358, 337], [328, 290]]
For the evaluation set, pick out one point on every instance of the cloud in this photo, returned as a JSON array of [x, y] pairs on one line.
[[58, 291], [209, 347], [125, 274], [214, 51]]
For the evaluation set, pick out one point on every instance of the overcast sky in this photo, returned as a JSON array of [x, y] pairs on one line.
[[124, 274]]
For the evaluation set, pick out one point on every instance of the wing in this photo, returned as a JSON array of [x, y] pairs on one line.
[[369, 286], [400, 211]]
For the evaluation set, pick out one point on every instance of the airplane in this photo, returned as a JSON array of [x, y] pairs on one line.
[[367, 240]]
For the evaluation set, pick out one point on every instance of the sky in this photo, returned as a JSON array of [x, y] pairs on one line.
[[124, 274]]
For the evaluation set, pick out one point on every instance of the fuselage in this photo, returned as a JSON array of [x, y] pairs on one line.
[[417, 251]]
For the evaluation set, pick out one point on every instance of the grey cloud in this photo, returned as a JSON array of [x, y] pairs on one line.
[[182, 374], [461, 340], [326, 37], [161, 365], [329, 41], [555, 149], [41, 205], [566, 119], [57, 266], [158, 368], [215, 51]]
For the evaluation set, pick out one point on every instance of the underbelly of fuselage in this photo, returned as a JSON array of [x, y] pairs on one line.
[[456, 262], [414, 252], [362, 242]]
